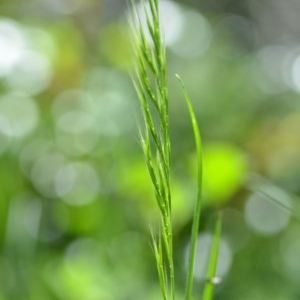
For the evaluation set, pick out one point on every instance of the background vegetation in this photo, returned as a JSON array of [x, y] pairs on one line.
[[75, 197]]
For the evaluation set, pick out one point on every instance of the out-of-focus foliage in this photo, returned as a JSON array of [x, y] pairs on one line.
[[75, 198]]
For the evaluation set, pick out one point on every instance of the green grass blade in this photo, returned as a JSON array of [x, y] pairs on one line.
[[197, 213], [213, 260]]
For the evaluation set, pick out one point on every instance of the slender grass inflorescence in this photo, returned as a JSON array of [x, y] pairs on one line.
[[151, 86]]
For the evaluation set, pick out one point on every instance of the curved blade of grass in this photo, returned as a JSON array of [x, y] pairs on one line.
[[197, 212], [213, 260]]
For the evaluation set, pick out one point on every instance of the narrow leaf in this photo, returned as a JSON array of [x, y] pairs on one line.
[[197, 213], [213, 260]]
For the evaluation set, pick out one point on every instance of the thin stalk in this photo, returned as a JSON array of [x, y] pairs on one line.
[[213, 260], [197, 212]]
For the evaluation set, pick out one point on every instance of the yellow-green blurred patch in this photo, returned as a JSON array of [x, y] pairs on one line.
[[69, 61], [183, 203], [80, 274], [81, 219], [224, 169], [114, 45]]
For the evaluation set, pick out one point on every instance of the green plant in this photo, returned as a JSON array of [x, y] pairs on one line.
[[151, 87]]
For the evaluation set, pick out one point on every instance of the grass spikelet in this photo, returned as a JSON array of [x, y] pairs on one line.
[[150, 82]]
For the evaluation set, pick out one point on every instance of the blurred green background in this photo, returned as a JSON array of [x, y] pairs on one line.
[[76, 202]]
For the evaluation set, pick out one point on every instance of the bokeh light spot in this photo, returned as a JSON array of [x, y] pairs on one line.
[[269, 69], [224, 171], [77, 183], [43, 173], [31, 75], [21, 113], [265, 217], [203, 254], [12, 45], [296, 73], [195, 36]]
